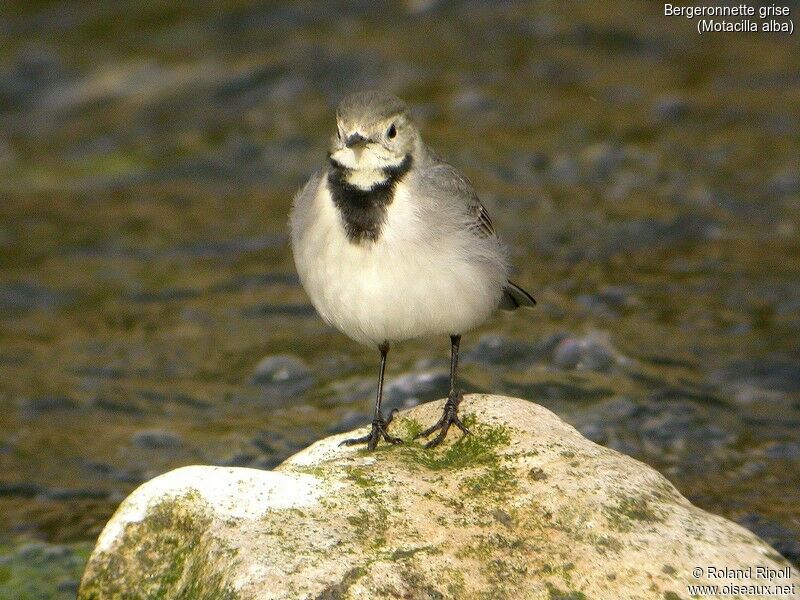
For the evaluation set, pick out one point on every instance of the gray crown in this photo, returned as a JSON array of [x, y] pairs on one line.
[[369, 107]]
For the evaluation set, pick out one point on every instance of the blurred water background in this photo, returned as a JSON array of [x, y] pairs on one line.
[[648, 179]]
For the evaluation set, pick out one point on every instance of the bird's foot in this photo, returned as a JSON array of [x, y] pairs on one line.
[[379, 430], [449, 417]]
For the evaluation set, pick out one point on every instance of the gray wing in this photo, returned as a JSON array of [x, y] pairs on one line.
[[454, 186], [515, 297], [451, 185]]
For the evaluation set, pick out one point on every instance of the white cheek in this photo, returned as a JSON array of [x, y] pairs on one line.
[[346, 157]]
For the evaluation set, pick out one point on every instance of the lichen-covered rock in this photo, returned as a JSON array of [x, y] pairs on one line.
[[525, 507]]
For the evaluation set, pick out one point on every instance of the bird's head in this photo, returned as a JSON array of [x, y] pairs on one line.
[[373, 131]]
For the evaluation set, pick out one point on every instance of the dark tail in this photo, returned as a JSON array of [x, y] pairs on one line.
[[514, 297]]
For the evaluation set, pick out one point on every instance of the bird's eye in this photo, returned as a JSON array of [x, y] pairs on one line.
[[392, 132]]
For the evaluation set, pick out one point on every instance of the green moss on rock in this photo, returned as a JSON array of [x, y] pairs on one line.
[[481, 447], [495, 481], [338, 590], [630, 510], [165, 556], [557, 594]]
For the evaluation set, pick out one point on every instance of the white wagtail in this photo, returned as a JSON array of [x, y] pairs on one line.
[[391, 243]]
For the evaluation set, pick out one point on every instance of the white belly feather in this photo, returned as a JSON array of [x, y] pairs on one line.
[[409, 283]]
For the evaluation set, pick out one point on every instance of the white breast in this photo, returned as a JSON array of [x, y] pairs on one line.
[[412, 281]]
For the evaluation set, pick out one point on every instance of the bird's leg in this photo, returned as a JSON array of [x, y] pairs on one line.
[[379, 424], [450, 414]]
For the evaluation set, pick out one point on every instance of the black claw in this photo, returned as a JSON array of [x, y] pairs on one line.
[[378, 431], [354, 441], [430, 429], [449, 417], [438, 439]]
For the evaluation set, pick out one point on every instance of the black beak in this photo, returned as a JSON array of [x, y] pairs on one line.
[[355, 139]]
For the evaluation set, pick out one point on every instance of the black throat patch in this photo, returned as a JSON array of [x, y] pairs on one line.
[[364, 211]]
